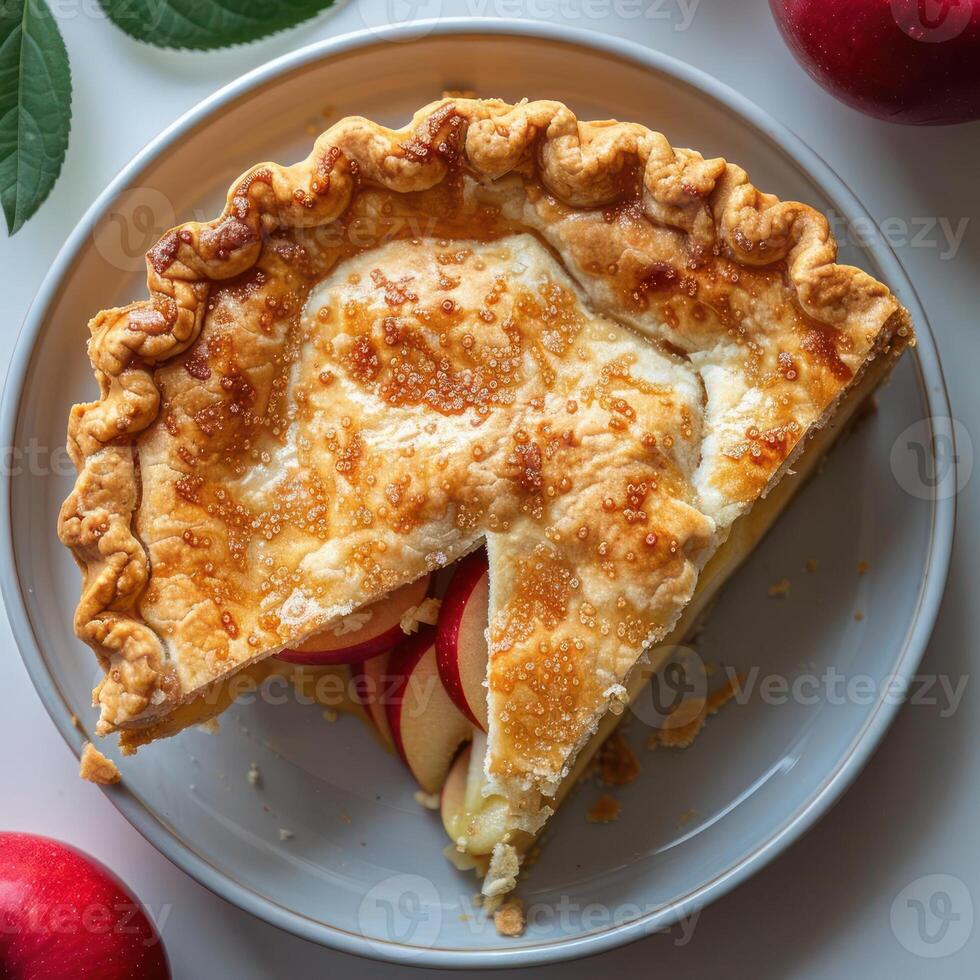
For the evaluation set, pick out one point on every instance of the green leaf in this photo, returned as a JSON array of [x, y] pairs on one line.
[[204, 24], [35, 107]]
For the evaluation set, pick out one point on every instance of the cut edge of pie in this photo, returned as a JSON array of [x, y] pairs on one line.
[[611, 199]]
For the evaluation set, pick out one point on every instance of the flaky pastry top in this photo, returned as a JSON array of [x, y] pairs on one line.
[[569, 339]]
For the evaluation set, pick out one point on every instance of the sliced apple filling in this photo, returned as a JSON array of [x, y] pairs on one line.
[[479, 822]]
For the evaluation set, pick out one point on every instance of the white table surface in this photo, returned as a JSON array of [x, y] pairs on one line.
[[822, 909]]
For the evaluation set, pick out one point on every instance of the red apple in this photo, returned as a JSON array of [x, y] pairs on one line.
[[380, 633], [426, 726], [461, 637], [65, 916], [371, 681], [910, 61]]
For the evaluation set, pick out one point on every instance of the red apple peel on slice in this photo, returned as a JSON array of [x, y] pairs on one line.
[[461, 640], [371, 683], [378, 635], [426, 726]]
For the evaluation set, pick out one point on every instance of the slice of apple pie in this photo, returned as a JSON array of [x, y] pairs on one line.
[[591, 351]]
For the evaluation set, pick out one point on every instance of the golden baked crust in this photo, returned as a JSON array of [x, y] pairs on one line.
[[373, 360]]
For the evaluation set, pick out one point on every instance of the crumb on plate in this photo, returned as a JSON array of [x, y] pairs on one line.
[[605, 810], [96, 768], [692, 713], [509, 918], [617, 766]]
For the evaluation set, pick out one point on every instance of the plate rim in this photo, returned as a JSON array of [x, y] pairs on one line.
[[929, 373]]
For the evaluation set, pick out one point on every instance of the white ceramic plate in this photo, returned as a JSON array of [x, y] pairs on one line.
[[363, 870]]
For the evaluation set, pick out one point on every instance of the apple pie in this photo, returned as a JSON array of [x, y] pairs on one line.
[[606, 360]]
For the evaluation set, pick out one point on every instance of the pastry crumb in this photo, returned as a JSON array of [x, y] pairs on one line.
[[686, 817], [780, 589], [692, 714], [210, 727], [501, 876], [509, 918], [811, 565], [863, 567], [428, 800], [352, 622], [426, 612], [96, 768], [74, 720], [605, 810], [254, 775], [330, 715], [285, 834], [617, 766], [858, 616]]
